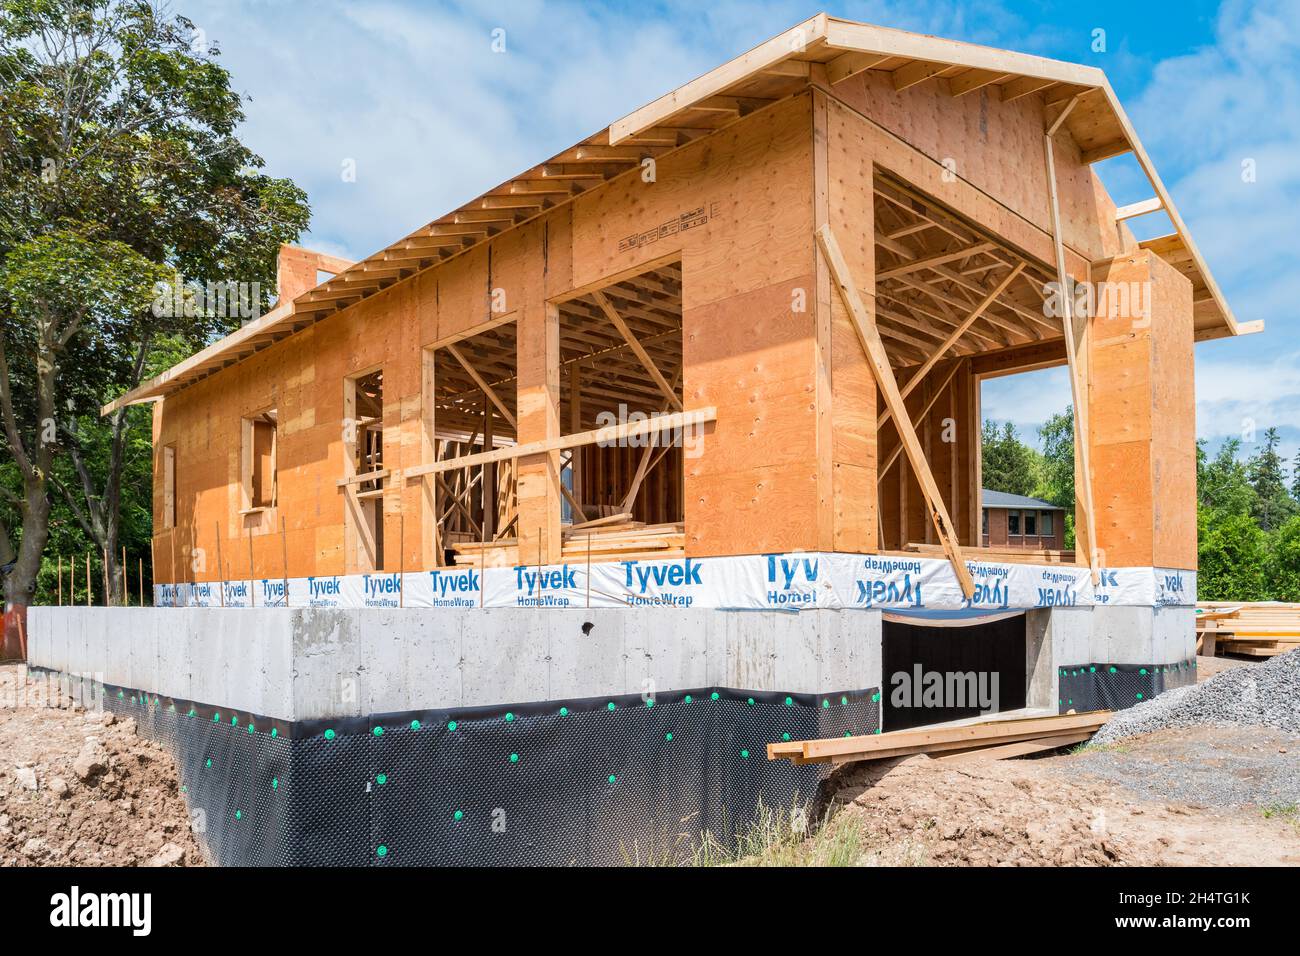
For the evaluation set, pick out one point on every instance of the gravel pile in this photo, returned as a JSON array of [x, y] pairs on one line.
[[1265, 694]]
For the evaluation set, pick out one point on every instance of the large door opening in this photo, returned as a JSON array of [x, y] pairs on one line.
[[979, 666]]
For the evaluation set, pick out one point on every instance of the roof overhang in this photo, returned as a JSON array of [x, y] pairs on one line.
[[822, 49]]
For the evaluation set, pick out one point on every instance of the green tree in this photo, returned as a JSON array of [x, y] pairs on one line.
[[1057, 485], [1221, 482], [1273, 504], [1233, 558], [117, 137], [1008, 464], [1284, 570]]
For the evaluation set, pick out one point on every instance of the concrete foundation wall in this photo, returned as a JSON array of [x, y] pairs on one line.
[[312, 663], [1064, 636]]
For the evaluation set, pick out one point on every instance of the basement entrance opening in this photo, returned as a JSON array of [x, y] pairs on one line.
[[951, 669]]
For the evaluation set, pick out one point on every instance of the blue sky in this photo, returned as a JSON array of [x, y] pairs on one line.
[[413, 94]]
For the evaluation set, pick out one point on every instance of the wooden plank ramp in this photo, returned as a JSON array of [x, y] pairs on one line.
[[986, 740]]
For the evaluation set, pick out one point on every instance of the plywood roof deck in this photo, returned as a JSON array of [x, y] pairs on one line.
[[821, 51]]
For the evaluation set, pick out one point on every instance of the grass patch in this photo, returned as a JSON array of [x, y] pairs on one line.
[[1088, 747]]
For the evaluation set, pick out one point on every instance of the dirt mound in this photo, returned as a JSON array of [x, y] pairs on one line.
[[920, 811], [80, 788]]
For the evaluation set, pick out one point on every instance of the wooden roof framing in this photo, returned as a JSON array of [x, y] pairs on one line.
[[820, 50], [610, 370], [933, 272]]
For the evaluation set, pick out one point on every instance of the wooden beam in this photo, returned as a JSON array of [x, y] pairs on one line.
[[915, 73], [642, 355], [482, 384], [935, 260], [1105, 151], [1078, 386], [879, 359], [924, 410], [848, 65], [611, 433], [1139, 209], [973, 80], [957, 333]]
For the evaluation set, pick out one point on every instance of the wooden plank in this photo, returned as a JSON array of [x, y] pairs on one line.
[[611, 433], [482, 384], [1139, 208], [1073, 339], [879, 359], [949, 737], [957, 333], [638, 349], [1017, 749]]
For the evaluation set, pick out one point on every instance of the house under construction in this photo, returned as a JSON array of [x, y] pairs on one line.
[[721, 360]]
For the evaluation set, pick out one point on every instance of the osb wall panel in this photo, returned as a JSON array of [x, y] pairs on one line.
[[745, 242], [997, 148], [1143, 420]]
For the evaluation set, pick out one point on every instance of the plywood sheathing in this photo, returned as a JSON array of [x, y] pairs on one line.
[[1143, 420]]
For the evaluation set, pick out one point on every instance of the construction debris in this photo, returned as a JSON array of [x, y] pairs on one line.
[[993, 740], [1260, 695]]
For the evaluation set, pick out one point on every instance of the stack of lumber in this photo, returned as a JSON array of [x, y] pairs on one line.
[[618, 538], [493, 554], [991, 740], [995, 555], [1259, 629]]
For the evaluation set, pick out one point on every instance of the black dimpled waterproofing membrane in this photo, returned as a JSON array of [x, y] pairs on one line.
[[603, 781], [1086, 687]]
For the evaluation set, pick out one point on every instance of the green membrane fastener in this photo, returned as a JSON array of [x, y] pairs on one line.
[[612, 778], [415, 725], [650, 702], [785, 736], [509, 717], [1139, 696], [744, 755], [275, 783], [564, 712], [789, 702], [275, 732], [452, 725], [844, 700], [716, 695], [251, 729], [1142, 671], [216, 718], [750, 702], [234, 720], [381, 779], [514, 758], [379, 731], [329, 734], [668, 736], [1113, 670], [875, 698], [381, 850], [610, 706], [825, 704], [458, 815], [239, 814], [689, 698], [209, 763]]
